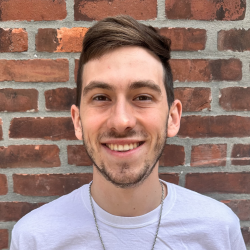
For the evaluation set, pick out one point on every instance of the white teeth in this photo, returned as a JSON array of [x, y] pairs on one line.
[[126, 147]]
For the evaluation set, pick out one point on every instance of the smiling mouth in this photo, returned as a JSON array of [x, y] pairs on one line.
[[125, 147]]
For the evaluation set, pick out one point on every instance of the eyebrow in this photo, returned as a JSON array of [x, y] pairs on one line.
[[145, 84], [135, 85], [96, 85]]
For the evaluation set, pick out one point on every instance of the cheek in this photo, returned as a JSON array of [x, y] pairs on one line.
[[155, 121], [92, 127]]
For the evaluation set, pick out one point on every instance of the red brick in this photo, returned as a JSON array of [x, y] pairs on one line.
[[240, 154], [18, 100], [209, 155], [194, 99], [227, 10], [1, 131], [246, 235], [185, 39], [172, 155], [214, 126], [48, 128], [240, 207], [13, 40], [60, 99], [13, 211], [219, 182], [37, 10], [49, 184], [235, 40], [76, 68], [29, 156], [235, 99], [4, 238], [205, 70], [170, 177], [3, 184], [60, 40], [77, 155], [37, 70], [91, 10]]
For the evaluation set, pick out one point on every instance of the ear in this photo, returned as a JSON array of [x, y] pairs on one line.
[[75, 115], [174, 118]]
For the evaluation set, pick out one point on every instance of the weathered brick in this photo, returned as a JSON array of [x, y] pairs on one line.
[[1, 130], [172, 155], [29, 156], [214, 126], [37, 10], [246, 235], [13, 40], [18, 100], [219, 182], [3, 184], [194, 99], [209, 155], [76, 69], [60, 99], [77, 155], [4, 238], [206, 70], [170, 177], [235, 40], [89, 10], [13, 211], [226, 10], [240, 207], [183, 39], [235, 99], [240, 154], [37, 70], [49, 184], [60, 40], [48, 128]]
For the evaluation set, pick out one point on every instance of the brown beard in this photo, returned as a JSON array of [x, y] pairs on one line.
[[128, 182]]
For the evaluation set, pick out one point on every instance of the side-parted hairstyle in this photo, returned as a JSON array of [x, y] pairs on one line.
[[115, 32]]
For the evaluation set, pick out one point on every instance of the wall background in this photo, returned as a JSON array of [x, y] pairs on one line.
[[40, 41]]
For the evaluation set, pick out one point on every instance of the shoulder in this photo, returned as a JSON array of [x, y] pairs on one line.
[[204, 207], [50, 215], [202, 219]]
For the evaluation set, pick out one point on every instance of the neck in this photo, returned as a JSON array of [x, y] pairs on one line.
[[127, 202]]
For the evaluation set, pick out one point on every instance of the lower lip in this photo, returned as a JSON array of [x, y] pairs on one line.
[[123, 153]]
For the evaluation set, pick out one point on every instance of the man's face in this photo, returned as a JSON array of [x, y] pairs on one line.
[[124, 113]]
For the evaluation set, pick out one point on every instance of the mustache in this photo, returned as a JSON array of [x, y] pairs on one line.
[[115, 135]]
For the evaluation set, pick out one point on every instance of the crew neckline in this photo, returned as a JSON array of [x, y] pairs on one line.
[[130, 222]]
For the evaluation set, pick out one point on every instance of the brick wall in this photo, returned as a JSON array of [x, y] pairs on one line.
[[40, 41]]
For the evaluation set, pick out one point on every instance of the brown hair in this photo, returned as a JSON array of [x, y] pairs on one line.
[[114, 32]]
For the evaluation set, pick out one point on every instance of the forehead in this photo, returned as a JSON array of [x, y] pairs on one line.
[[123, 66]]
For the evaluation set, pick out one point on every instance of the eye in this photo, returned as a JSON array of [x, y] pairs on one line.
[[101, 98], [143, 98]]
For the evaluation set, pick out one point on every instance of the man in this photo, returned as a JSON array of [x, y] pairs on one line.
[[125, 111]]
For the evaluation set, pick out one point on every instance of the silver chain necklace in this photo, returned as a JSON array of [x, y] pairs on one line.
[[159, 222]]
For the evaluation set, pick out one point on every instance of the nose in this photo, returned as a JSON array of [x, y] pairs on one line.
[[122, 118]]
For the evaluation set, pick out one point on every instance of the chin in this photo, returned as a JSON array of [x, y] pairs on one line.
[[125, 178]]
